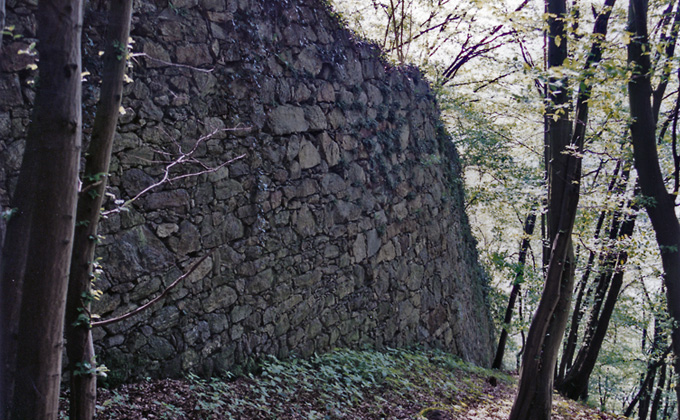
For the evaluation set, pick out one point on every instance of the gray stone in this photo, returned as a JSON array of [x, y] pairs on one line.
[[219, 297], [195, 55], [373, 242], [157, 55], [166, 199], [10, 91], [308, 61], [261, 282], [316, 118], [387, 252], [304, 223], [165, 318], [332, 183], [136, 252], [287, 119], [239, 313], [160, 348], [145, 289], [188, 239], [309, 156], [227, 188], [217, 322], [135, 180], [359, 248], [166, 229], [308, 279], [331, 150]]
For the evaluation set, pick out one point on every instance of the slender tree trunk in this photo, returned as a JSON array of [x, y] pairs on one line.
[[659, 203], [657, 357], [82, 364], [579, 310], [575, 383], [2, 24], [529, 225], [38, 242], [656, 402]]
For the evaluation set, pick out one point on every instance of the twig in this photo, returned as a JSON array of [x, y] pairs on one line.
[[154, 300], [167, 63], [183, 158]]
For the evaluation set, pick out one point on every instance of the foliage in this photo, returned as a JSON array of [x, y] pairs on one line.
[[494, 108], [340, 384]]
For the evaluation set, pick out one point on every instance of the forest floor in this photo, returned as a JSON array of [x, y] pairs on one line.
[[344, 384]]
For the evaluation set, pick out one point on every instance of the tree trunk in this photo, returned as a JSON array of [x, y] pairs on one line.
[[534, 397], [657, 358], [572, 340], [2, 25], [656, 403], [529, 225], [575, 383], [659, 203], [38, 242], [82, 364]]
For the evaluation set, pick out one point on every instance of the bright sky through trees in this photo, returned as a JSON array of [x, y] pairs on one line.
[[493, 104]]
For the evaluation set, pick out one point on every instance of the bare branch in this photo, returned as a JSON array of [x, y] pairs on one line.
[[167, 63], [154, 300], [183, 158]]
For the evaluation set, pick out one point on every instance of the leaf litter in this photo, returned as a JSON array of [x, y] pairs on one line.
[[343, 384]]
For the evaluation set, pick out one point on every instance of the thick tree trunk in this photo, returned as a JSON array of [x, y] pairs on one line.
[[529, 225], [38, 242], [534, 397], [659, 203], [82, 364]]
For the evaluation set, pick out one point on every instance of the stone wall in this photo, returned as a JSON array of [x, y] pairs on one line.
[[341, 225]]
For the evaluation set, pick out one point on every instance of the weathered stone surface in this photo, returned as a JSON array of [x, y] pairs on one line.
[[373, 242], [287, 119], [331, 150], [137, 251], [188, 239], [165, 199], [220, 297], [332, 183], [309, 155], [260, 282], [359, 248], [316, 118], [10, 91], [305, 224]]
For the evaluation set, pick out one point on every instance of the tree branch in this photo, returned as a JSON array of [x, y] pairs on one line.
[[154, 300]]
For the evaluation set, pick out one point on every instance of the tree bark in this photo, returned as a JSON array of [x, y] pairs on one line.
[[575, 383], [38, 242], [656, 403], [82, 363], [529, 225], [659, 204], [572, 340], [534, 397]]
